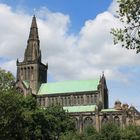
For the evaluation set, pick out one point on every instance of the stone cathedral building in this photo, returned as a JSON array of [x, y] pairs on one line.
[[85, 100]]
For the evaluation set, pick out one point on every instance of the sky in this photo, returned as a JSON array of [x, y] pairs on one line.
[[75, 41]]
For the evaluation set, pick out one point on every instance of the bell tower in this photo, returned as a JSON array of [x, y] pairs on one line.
[[31, 69]]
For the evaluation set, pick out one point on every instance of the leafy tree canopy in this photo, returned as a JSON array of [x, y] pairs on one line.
[[21, 118], [6, 80], [89, 133], [130, 133], [110, 131], [129, 15]]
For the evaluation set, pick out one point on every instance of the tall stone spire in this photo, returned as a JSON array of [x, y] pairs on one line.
[[31, 70], [32, 52]]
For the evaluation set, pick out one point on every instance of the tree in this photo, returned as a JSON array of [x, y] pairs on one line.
[[129, 36], [6, 80], [61, 121], [89, 133], [130, 133], [11, 119], [21, 118], [110, 131]]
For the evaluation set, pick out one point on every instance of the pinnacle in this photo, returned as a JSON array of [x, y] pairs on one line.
[[34, 24], [33, 30]]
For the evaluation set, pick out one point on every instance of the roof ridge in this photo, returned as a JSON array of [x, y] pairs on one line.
[[67, 81]]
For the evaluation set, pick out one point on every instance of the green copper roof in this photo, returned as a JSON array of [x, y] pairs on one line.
[[26, 83], [86, 108], [109, 110], [68, 87]]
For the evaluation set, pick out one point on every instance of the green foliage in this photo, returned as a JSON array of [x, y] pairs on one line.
[[21, 118], [130, 133], [11, 119], [128, 14], [89, 133], [6, 80], [110, 131], [61, 120]]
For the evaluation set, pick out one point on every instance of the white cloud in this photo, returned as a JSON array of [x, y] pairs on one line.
[[69, 56], [9, 66], [114, 7]]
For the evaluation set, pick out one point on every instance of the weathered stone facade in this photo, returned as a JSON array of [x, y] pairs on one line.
[[86, 101]]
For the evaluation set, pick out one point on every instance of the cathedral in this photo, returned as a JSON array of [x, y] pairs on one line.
[[85, 100]]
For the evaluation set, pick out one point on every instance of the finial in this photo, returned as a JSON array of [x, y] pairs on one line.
[[102, 73], [17, 61]]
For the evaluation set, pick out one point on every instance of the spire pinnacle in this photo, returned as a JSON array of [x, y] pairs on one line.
[[32, 52], [34, 25], [33, 30]]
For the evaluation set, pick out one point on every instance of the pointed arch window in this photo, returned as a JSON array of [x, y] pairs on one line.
[[88, 121], [77, 124], [105, 119], [117, 120]]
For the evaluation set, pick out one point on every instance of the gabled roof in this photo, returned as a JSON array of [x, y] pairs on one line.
[[86, 108], [26, 83], [69, 87]]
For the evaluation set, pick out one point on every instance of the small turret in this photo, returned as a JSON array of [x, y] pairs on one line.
[[125, 106], [117, 105]]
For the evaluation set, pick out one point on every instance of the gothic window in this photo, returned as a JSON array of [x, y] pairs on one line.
[[92, 99], [39, 101], [65, 99], [78, 100], [21, 71], [69, 101], [74, 100], [61, 101], [48, 101], [52, 101], [28, 72], [77, 125], [87, 99], [31, 73], [56, 100], [95, 98], [117, 120], [105, 119], [88, 121], [42, 102], [81, 100]]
